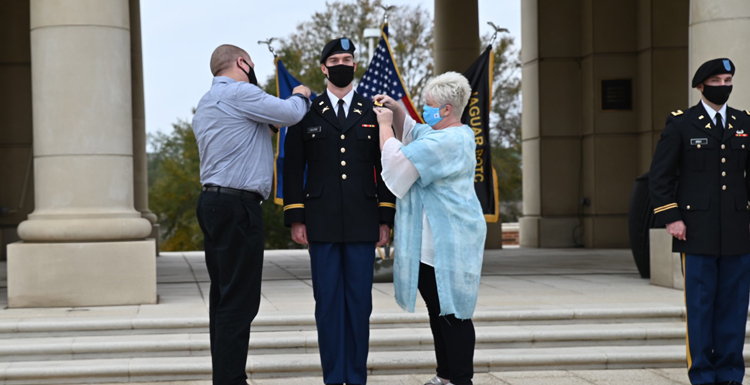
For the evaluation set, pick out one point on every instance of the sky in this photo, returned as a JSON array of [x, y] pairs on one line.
[[178, 37]]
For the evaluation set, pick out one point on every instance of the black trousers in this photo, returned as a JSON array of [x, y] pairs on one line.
[[454, 338], [233, 238]]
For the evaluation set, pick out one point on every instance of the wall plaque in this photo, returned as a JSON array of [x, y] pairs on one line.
[[617, 94]]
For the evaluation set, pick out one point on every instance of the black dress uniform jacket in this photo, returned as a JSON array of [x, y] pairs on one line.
[[712, 194], [344, 198]]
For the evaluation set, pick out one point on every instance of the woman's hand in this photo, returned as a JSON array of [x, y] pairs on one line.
[[386, 101], [385, 116]]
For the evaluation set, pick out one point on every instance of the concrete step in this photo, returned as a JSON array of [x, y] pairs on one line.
[[83, 326], [381, 340], [297, 365]]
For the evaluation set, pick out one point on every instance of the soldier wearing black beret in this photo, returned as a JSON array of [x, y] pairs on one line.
[[342, 210], [707, 212]]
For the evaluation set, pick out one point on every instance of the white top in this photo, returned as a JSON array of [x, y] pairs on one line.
[[335, 101], [399, 174], [712, 113]]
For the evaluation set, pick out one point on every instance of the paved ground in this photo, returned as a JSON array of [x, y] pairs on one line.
[[512, 279]]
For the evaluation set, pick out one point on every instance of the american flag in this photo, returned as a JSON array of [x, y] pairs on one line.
[[382, 77]]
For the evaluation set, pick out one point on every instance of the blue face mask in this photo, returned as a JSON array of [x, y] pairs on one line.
[[431, 115]]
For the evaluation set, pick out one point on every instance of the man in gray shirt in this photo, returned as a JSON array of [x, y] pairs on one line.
[[233, 125]]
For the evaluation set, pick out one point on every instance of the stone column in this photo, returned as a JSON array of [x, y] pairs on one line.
[[84, 244], [456, 35], [140, 162], [718, 28]]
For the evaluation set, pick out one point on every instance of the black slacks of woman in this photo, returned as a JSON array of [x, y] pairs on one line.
[[454, 338], [234, 241]]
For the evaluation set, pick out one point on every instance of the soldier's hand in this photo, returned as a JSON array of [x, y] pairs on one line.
[[386, 101], [677, 230], [299, 233], [385, 116], [301, 90], [385, 235]]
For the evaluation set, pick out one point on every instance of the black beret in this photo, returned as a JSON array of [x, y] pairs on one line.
[[711, 68], [336, 46]]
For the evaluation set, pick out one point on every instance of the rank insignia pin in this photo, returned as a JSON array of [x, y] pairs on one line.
[[359, 104], [730, 126], [700, 117], [358, 111], [321, 103], [324, 110], [708, 126], [734, 117]]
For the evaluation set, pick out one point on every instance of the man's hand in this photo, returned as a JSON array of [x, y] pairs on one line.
[[301, 90], [385, 117], [386, 101], [299, 233], [678, 230], [385, 235]]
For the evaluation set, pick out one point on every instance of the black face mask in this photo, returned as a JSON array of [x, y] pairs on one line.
[[717, 94], [250, 75], [340, 75]]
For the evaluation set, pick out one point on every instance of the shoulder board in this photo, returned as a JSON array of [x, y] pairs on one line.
[[679, 112]]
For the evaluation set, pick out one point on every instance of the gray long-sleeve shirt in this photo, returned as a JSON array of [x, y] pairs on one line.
[[234, 140]]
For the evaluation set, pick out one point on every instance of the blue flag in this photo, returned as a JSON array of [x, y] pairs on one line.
[[285, 83]]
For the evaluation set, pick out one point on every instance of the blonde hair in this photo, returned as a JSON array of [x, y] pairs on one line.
[[449, 88]]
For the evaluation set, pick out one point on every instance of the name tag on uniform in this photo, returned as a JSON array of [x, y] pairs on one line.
[[313, 130], [697, 141]]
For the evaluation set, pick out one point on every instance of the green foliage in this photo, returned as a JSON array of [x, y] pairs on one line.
[[174, 187], [410, 37], [506, 127]]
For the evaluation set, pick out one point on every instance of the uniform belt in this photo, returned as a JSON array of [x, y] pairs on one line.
[[234, 192]]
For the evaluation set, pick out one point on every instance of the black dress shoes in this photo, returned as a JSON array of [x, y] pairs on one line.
[[729, 383]]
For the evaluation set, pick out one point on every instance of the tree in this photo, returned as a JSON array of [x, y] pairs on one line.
[[505, 130], [410, 37], [174, 188]]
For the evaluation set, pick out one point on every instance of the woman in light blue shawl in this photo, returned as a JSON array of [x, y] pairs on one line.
[[440, 228]]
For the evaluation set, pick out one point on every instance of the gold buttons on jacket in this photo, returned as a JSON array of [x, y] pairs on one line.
[[369, 137], [723, 160], [343, 136], [723, 173], [724, 187], [723, 146], [343, 150], [688, 207], [343, 163], [313, 135], [699, 146], [343, 176]]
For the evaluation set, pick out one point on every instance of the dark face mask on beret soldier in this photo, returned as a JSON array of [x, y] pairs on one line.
[[250, 74], [717, 94], [340, 75]]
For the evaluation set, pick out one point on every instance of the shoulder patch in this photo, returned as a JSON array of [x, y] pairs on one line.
[[679, 112]]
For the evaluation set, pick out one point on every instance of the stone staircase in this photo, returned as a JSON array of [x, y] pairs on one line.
[[134, 349]]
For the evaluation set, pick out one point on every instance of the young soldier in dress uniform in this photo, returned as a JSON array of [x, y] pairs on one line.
[[707, 213], [342, 210]]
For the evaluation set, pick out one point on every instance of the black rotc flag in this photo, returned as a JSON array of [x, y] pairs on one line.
[[477, 116]]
